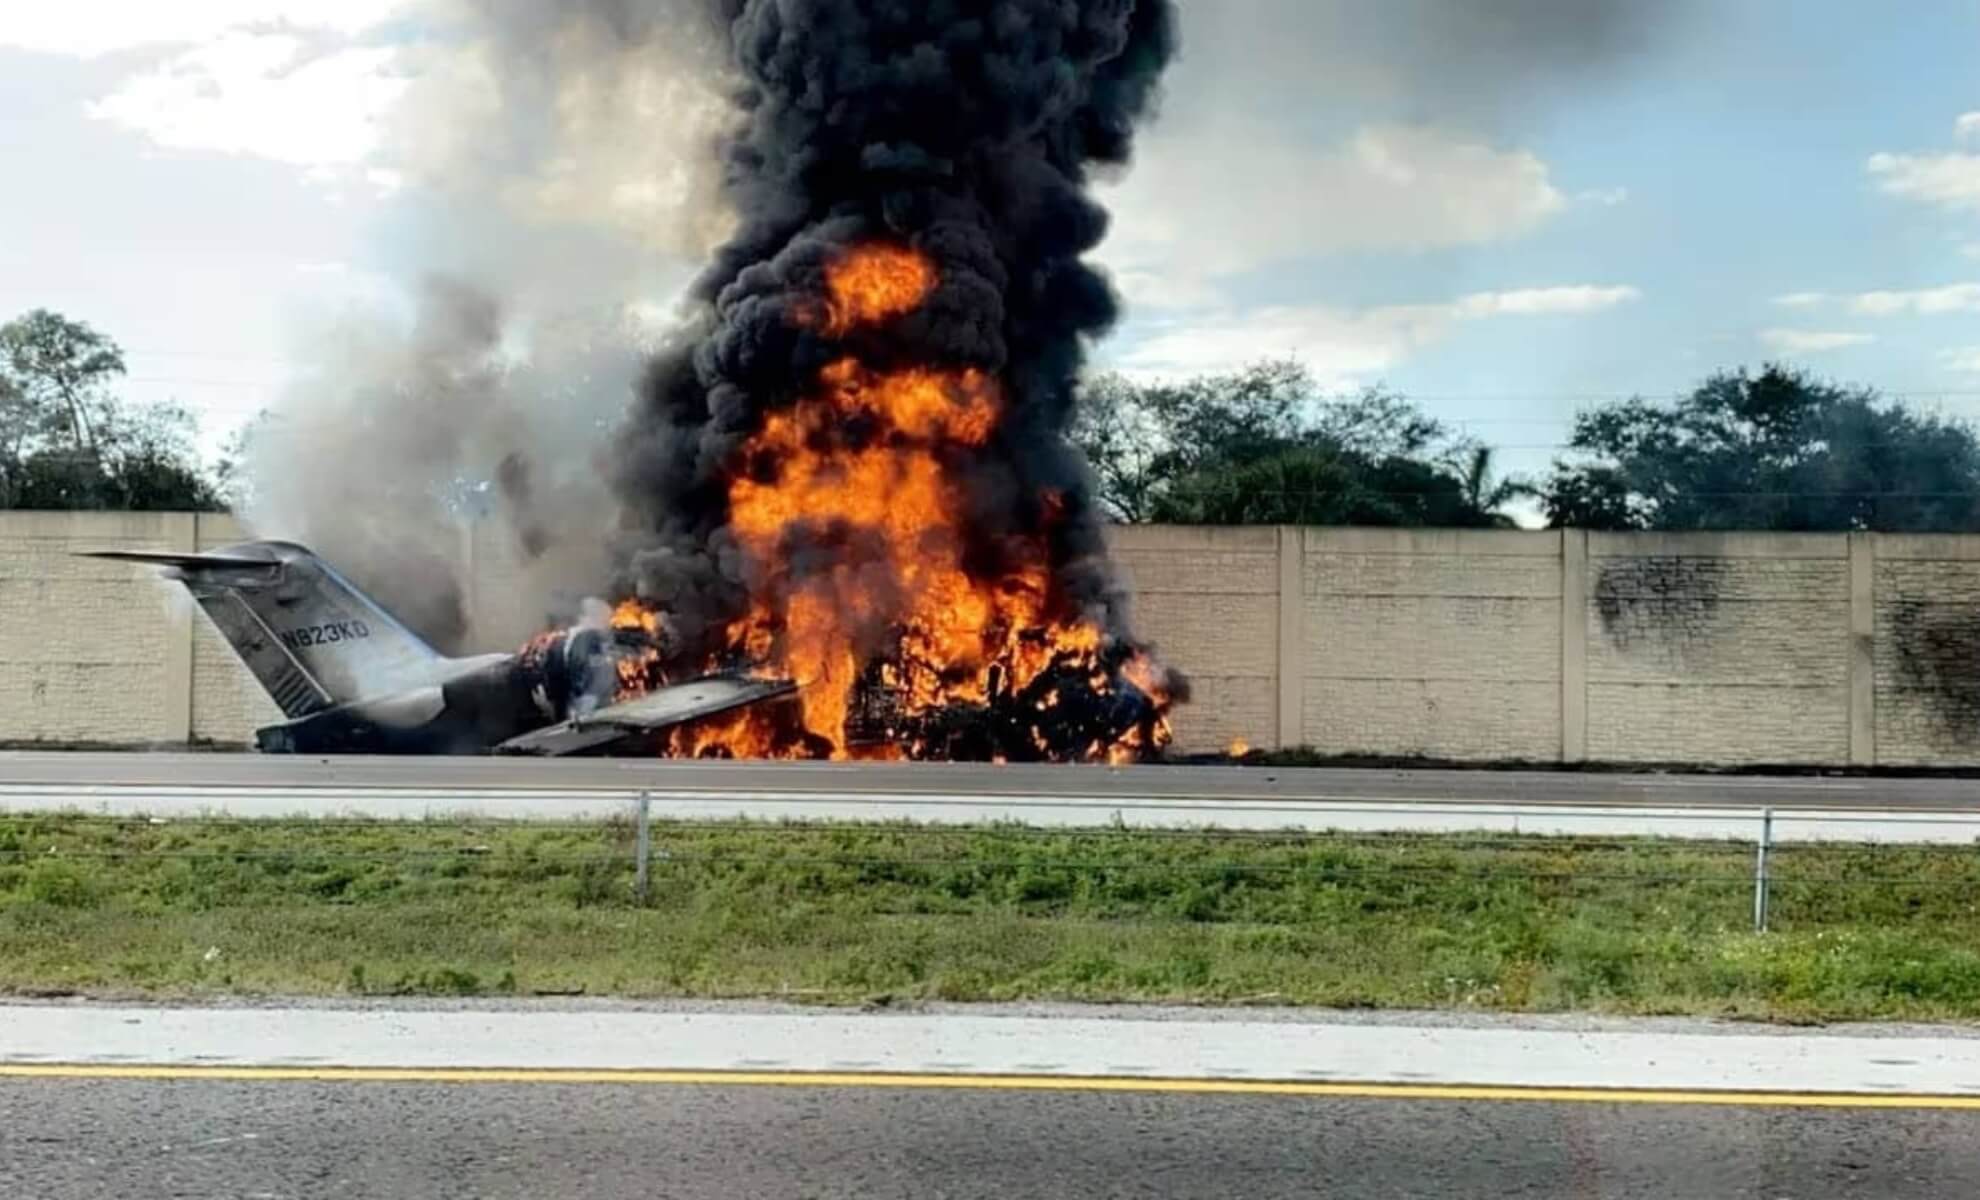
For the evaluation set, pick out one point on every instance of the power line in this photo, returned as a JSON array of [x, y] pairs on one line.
[[1519, 395], [225, 354], [1420, 397], [1321, 493], [177, 381]]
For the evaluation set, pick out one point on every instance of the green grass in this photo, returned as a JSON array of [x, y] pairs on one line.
[[841, 915]]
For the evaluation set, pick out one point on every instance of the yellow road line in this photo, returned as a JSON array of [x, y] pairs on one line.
[[959, 1082]]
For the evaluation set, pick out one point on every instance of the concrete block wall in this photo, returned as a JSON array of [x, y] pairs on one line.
[[1718, 649], [1430, 643], [1926, 650], [92, 651], [1210, 601]]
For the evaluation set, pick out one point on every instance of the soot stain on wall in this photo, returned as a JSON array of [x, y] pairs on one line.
[[1665, 602], [1935, 650]]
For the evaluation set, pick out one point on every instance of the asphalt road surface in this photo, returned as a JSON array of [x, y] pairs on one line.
[[498, 1099], [71, 1140], [908, 780]]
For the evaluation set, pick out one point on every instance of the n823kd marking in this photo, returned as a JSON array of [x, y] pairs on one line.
[[323, 635]]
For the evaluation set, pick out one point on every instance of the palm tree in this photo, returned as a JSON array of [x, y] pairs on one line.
[[1485, 494]]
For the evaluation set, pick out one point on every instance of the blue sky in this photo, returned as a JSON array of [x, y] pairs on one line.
[[211, 181]]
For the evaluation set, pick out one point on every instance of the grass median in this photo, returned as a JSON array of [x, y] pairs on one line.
[[865, 914]]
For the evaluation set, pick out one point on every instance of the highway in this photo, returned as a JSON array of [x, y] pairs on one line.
[[616, 1101], [925, 779], [1937, 811]]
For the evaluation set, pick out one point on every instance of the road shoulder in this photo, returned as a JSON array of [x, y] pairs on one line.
[[1040, 1047]]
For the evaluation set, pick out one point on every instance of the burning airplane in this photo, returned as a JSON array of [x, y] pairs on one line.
[[850, 469]]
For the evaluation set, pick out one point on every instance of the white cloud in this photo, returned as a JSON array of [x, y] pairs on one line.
[[1923, 302], [1969, 250], [1964, 359], [1926, 302], [264, 95], [1192, 212], [92, 27], [1808, 341], [1345, 345], [1542, 302], [1947, 180], [1950, 180]]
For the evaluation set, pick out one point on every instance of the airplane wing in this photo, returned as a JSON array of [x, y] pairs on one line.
[[657, 710]]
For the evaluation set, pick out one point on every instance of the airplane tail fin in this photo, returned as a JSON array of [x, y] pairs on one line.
[[312, 639]]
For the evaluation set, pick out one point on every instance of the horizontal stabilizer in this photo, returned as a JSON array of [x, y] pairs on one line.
[[185, 562]]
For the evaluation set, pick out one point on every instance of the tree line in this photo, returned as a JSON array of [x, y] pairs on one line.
[[1774, 450], [68, 441], [1265, 445]]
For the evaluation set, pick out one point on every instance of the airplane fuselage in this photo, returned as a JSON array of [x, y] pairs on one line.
[[468, 704]]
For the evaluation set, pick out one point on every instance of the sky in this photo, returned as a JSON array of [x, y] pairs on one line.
[[1507, 209]]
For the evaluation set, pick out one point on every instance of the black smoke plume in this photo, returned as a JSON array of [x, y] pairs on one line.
[[966, 129]]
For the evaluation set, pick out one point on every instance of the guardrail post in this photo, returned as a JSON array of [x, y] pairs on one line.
[[1760, 871], [643, 847]]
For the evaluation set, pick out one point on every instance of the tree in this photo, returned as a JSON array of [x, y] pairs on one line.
[[1379, 424], [1589, 497], [1322, 483], [1118, 434], [146, 464], [1263, 446], [1485, 493], [153, 465], [1778, 450], [63, 369], [68, 442], [17, 422], [233, 480], [1238, 417]]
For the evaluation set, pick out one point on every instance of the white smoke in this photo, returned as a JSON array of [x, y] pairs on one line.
[[552, 170]]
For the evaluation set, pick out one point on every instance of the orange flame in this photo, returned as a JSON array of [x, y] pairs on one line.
[[875, 283], [637, 665], [864, 470], [634, 616], [744, 733]]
